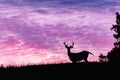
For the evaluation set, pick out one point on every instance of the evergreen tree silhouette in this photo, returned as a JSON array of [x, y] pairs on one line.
[[114, 54]]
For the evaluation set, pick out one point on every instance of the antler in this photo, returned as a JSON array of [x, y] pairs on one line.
[[65, 43], [72, 44]]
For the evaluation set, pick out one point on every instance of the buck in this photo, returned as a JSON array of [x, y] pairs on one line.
[[75, 57]]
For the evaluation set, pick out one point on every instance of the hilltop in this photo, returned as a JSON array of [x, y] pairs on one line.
[[80, 71]]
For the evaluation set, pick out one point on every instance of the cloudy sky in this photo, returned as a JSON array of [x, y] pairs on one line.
[[33, 31]]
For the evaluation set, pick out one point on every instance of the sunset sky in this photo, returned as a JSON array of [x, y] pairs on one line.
[[33, 31]]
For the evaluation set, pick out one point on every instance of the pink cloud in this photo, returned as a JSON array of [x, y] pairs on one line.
[[28, 36]]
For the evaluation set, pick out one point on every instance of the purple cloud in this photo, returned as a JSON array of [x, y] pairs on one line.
[[35, 26]]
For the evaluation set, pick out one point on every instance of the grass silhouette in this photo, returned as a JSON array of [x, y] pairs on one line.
[[82, 71]]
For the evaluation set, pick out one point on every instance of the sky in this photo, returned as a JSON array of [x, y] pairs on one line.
[[33, 31]]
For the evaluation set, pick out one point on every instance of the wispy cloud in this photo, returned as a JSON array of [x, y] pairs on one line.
[[44, 25]]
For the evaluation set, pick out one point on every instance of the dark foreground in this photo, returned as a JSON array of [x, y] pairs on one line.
[[80, 71]]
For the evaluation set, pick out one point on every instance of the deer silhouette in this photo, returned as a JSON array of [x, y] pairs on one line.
[[75, 57]]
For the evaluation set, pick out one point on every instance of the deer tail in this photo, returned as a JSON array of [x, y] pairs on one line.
[[91, 53]]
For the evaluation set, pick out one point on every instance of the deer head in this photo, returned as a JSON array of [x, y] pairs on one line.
[[70, 46]]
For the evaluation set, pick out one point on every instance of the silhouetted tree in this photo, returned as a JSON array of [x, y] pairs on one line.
[[114, 54]]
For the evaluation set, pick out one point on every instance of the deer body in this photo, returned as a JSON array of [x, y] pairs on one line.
[[74, 57]]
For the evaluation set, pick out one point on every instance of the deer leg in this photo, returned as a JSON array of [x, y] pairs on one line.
[[86, 60], [73, 61]]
